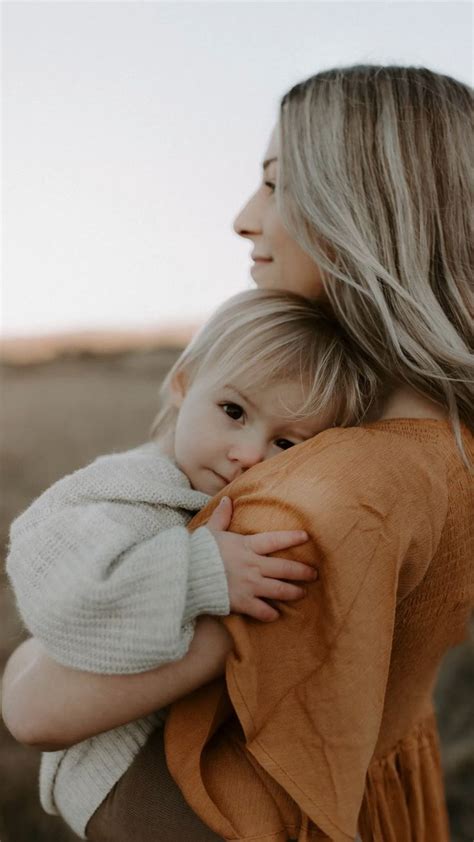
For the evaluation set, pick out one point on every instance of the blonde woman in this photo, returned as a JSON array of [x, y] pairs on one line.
[[323, 727]]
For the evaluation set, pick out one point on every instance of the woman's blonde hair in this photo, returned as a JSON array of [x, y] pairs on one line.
[[375, 183], [263, 337]]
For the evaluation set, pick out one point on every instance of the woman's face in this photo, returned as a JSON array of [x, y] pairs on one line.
[[278, 261]]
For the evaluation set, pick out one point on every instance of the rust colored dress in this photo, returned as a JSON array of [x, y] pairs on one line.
[[334, 724], [324, 725]]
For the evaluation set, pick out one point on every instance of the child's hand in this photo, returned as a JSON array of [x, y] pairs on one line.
[[250, 573]]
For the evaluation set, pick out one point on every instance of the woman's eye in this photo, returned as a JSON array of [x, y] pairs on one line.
[[233, 410], [271, 185], [284, 444]]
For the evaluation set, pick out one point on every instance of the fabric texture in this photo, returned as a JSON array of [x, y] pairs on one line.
[[105, 573], [109, 579], [324, 725], [148, 812]]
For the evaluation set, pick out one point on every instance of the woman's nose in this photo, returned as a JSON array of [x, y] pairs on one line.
[[247, 223]]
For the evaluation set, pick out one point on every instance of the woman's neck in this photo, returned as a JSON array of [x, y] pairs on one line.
[[406, 402]]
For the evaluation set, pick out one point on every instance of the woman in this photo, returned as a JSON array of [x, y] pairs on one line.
[[324, 726]]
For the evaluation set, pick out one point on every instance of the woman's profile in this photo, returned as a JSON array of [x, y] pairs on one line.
[[323, 727]]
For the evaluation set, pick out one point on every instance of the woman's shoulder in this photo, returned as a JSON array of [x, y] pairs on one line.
[[398, 463], [356, 486], [376, 451]]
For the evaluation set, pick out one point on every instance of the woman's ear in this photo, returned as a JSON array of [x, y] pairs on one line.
[[178, 385]]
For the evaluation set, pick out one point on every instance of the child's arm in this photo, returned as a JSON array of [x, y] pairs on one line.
[[107, 588], [106, 574], [51, 707]]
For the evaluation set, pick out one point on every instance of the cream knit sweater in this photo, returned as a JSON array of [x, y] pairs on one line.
[[108, 578]]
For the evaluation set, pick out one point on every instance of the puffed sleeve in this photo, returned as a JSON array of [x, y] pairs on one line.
[[309, 689]]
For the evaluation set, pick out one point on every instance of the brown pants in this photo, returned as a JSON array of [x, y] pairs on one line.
[[146, 805]]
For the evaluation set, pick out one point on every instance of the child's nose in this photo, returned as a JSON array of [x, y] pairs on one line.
[[247, 454]]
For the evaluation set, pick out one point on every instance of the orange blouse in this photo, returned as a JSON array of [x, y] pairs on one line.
[[324, 724]]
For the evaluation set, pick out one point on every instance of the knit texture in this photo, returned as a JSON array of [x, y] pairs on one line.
[[324, 725], [104, 571], [74, 783], [109, 579]]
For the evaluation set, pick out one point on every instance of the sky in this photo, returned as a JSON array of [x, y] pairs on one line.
[[133, 132]]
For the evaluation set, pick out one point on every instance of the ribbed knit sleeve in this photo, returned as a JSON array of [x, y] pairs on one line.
[[105, 573]]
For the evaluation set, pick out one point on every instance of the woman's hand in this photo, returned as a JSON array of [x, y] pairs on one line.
[[251, 574], [51, 707]]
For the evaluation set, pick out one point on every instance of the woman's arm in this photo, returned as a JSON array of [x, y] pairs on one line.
[[50, 707]]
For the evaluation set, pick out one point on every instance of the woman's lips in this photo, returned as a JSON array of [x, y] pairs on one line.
[[259, 263]]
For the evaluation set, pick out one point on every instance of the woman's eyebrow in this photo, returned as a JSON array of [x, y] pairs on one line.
[[268, 162]]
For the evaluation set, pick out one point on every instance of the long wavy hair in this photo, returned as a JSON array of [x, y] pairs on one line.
[[376, 184]]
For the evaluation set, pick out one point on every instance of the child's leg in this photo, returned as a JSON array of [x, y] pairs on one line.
[[146, 807]]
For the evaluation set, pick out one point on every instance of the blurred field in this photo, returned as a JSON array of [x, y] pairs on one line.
[[57, 415]]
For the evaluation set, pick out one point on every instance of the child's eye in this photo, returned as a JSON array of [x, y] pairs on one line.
[[284, 444], [271, 185], [233, 410]]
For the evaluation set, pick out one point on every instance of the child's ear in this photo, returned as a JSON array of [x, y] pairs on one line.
[[178, 386]]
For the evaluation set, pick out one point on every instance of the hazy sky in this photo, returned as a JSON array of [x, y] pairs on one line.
[[133, 132]]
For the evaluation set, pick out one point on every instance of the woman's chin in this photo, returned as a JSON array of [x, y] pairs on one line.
[[262, 275]]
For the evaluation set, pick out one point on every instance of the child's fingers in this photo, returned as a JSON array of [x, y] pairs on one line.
[[260, 610], [285, 568], [274, 589], [271, 542], [221, 516]]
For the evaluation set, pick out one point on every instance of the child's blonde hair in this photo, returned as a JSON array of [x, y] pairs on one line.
[[263, 337]]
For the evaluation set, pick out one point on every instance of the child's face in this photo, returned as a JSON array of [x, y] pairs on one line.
[[222, 431]]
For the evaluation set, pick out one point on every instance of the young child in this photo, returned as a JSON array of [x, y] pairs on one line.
[[106, 574]]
